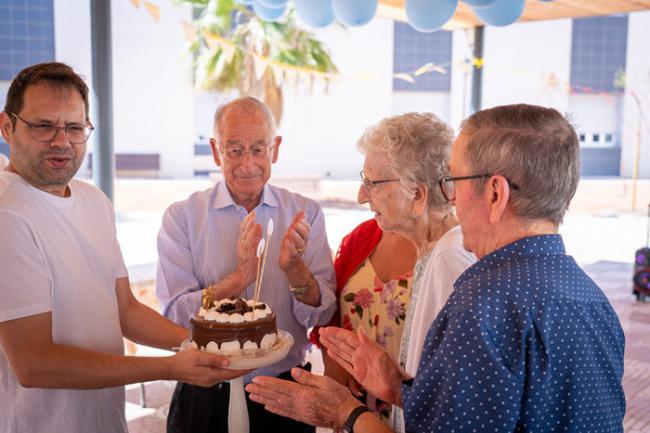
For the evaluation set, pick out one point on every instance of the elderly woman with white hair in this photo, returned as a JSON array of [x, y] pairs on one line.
[[405, 158]]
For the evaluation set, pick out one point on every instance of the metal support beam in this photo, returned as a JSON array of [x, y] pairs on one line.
[[477, 71], [102, 63]]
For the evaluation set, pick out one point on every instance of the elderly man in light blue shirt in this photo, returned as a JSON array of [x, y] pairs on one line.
[[210, 240]]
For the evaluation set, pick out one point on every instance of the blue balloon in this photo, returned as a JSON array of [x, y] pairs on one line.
[[478, 3], [316, 13], [429, 15], [268, 14], [501, 13], [273, 4], [354, 12]]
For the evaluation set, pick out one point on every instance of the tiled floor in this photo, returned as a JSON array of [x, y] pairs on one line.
[[615, 280]]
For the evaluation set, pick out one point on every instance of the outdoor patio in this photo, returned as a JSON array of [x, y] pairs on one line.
[[613, 277], [600, 232]]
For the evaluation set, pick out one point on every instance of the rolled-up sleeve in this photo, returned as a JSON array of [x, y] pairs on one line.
[[178, 290]]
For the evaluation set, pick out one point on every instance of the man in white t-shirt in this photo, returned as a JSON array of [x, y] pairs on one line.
[[65, 299]]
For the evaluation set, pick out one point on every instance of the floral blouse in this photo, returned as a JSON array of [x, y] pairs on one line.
[[380, 308]]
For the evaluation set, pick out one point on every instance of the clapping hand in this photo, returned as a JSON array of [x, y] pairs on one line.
[[249, 237], [316, 400], [365, 360], [294, 242]]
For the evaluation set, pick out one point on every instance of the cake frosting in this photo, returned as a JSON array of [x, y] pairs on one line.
[[230, 326]]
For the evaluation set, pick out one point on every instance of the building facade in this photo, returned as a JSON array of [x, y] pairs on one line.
[[576, 66]]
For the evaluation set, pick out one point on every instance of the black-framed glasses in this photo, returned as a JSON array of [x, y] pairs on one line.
[[46, 132], [448, 187], [370, 185]]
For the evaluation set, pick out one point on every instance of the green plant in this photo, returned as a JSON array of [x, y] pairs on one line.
[[228, 40]]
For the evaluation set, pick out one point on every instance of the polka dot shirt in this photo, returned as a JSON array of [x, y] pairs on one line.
[[527, 342]]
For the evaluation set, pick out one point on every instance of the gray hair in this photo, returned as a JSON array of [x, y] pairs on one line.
[[417, 146], [535, 148], [248, 105]]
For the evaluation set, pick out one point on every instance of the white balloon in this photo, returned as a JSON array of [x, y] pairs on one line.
[[260, 247], [269, 228]]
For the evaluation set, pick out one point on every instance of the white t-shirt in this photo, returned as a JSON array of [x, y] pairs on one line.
[[61, 255], [447, 260]]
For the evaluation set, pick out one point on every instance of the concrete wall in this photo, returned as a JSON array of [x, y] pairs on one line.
[[520, 61], [152, 82], [157, 110], [434, 102], [153, 90], [598, 114], [637, 82], [321, 128]]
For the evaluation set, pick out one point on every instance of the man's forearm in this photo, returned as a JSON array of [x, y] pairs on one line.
[[69, 367], [143, 325]]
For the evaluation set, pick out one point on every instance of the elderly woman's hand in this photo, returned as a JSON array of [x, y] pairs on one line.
[[315, 400], [366, 361]]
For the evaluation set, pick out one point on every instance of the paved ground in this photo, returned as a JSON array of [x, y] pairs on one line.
[[602, 231], [613, 277]]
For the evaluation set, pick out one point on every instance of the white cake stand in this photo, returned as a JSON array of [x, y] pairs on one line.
[[250, 360]]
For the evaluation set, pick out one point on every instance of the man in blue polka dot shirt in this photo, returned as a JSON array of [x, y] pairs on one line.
[[527, 342]]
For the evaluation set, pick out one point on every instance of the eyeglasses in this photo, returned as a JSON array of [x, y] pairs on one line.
[[257, 151], [45, 132], [370, 185], [448, 188]]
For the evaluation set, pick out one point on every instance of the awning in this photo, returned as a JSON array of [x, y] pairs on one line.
[[535, 10]]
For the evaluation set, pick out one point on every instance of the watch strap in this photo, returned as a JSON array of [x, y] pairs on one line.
[[349, 423], [299, 291]]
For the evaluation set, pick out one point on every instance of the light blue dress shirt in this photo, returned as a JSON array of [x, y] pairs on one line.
[[197, 247]]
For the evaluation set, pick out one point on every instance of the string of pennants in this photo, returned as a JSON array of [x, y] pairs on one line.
[[291, 74], [283, 72]]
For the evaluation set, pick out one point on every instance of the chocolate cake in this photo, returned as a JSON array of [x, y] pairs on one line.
[[231, 325]]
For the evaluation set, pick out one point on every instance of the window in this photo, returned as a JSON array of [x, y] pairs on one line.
[[598, 53], [26, 35], [412, 50]]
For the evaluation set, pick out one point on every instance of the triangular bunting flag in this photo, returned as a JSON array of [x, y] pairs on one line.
[[154, 10]]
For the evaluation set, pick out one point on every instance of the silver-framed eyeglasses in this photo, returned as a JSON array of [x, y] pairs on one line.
[[370, 185], [448, 187], [46, 132], [256, 151]]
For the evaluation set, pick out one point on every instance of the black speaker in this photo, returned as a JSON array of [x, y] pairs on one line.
[[641, 277]]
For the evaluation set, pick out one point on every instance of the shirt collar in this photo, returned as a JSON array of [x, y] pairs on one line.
[[533, 246], [223, 199]]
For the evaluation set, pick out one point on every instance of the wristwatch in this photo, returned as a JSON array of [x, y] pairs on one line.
[[349, 423], [299, 291]]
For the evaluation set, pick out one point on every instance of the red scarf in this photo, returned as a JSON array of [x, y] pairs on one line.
[[353, 251]]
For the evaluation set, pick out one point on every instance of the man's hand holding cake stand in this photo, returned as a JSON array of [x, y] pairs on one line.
[[201, 368]]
